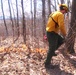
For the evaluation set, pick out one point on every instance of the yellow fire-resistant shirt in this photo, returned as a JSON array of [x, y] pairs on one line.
[[58, 18]]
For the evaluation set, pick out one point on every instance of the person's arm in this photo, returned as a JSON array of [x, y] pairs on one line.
[[61, 25]]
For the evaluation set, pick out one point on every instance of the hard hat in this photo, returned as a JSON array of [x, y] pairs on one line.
[[64, 7]]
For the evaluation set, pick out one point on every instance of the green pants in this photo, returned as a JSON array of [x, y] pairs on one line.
[[54, 41]]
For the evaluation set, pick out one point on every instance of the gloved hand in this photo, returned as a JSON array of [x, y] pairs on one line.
[[45, 37]]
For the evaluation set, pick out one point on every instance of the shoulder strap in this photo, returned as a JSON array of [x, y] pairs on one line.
[[56, 24]]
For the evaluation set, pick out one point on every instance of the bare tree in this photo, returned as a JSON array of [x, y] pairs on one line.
[[4, 18], [58, 2], [23, 22], [49, 6], [69, 6], [43, 16], [31, 18], [11, 17], [72, 30], [17, 23], [62, 1], [55, 5], [13, 13], [34, 18]]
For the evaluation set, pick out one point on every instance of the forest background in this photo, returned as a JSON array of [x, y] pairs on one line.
[[27, 19], [22, 46]]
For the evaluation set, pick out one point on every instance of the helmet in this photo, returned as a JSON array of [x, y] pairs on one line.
[[64, 7]]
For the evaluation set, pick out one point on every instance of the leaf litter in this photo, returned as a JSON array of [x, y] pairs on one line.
[[19, 60]]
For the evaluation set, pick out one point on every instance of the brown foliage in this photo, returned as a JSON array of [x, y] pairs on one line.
[[21, 60]]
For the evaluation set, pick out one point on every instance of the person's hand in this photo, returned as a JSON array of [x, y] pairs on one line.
[[45, 37]]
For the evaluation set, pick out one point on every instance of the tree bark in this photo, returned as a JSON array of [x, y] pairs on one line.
[[31, 18], [17, 18], [34, 18], [49, 6], [23, 22], [72, 30], [11, 17], [62, 1], [43, 16]]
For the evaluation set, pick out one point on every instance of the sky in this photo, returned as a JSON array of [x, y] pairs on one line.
[[13, 7]]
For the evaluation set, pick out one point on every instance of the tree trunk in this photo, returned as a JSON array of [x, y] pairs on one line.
[[31, 18], [49, 6], [11, 17], [72, 30], [34, 18], [23, 22], [43, 16], [55, 5], [62, 1], [17, 19]]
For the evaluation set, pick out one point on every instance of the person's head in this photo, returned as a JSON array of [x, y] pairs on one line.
[[63, 8]]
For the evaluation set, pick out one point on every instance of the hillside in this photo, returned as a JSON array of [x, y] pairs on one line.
[[19, 59]]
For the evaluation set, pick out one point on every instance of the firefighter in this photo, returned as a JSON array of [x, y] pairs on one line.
[[55, 25]]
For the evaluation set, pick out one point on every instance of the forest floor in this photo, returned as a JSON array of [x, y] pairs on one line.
[[21, 60]]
